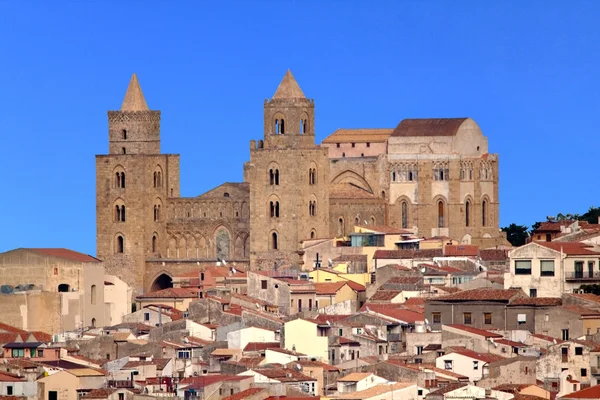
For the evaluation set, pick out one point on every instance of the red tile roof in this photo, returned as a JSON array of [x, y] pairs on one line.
[[405, 254], [393, 311], [429, 127], [570, 248], [284, 374], [475, 331], [485, 357], [536, 301], [546, 338], [510, 343], [462, 250], [244, 393], [328, 288], [178, 293], [260, 346], [415, 301], [582, 311], [493, 254], [588, 393], [6, 377], [384, 295], [9, 328], [586, 296], [100, 393], [404, 280], [207, 380], [485, 294], [66, 254], [553, 226], [357, 287]]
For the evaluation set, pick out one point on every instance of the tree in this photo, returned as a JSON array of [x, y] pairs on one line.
[[594, 288], [516, 234]]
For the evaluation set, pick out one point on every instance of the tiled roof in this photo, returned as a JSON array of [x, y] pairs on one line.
[[351, 257], [483, 294], [404, 280], [323, 318], [546, 338], [100, 393], [377, 391], [404, 254], [260, 346], [171, 293], [582, 311], [485, 357], [586, 296], [248, 362], [349, 191], [328, 288], [493, 254], [475, 331], [11, 329], [588, 393], [462, 250], [570, 248], [429, 127], [395, 312], [160, 363], [554, 226], [357, 287], [244, 394], [510, 343], [6, 377], [288, 352], [355, 377], [536, 301], [384, 295], [448, 388], [207, 380], [284, 374], [318, 364], [359, 135], [512, 387], [415, 301], [66, 254]]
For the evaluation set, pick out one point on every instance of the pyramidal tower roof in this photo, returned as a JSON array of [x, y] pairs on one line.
[[288, 88], [134, 98]]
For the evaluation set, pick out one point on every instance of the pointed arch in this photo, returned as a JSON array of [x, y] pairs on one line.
[[274, 240], [119, 243], [222, 238], [158, 176], [161, 281], [182, 249], [349, 176], [341, 229], [154, 243], [441, 211], [468, 211], [172, 248], [485, 210], [239, 247], [278, 123]]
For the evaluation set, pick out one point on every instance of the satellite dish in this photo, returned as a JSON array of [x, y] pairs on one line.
[[328, 323], [224, 262]]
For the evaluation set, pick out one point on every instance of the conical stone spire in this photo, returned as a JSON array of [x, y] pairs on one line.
[[288, 88], [134, 98]]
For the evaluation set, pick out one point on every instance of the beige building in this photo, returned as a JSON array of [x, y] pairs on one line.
[[435, 177], [549, 269], [52, 289], [67, 384]]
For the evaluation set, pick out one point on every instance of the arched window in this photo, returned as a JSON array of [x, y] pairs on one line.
[[274, 176], [410, 176], [440, 214], [117, 213], [277, 127], [404, 215], [304, 126], [312, 176], [484, 213], [93, 322], [394, 176], [282, 127], [274, 244], [93, 294], [372, 220], [154, 240], [313, 234], [122, 213], [312, 208], [120, 244], [274, 209], [124, 134], [124, 151], [301, 126], [157, 213], [340, 227], [356, 221], [467, 213]]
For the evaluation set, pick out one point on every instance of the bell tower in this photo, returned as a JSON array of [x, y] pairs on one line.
[[289, 180], [289, 117], [133, 184]]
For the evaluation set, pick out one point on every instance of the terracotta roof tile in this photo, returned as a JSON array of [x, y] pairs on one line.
[[546, 338], [359, 135], [385, 295], [480, 294], [260, 346], [553, 226], [329, 288], [536, 301], [461, 250], [244, 394], [357, 287], [396, 312], [493, 254], [582, 311], [448, 388], [586, 296], [428, 127], [66, 254], [588, 393], [284, 374], [100, 393], [404, 254], [480, 332], [570, 248]]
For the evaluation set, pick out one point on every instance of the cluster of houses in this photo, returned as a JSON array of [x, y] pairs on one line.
[[422, 319]]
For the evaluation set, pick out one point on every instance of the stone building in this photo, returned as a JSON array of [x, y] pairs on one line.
[[434, 176]]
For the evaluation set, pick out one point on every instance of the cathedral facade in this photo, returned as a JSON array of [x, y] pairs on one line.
[[434, 177]]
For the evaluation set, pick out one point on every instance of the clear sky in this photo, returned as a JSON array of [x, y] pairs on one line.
[[525, 71]]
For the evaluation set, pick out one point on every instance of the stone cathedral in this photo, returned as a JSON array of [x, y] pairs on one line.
[[434, 177]]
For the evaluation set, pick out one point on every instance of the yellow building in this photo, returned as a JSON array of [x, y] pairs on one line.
[[303, 336], [64, 384], [334, 292]]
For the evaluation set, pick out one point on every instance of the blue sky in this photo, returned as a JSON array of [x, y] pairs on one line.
[[525, 71]]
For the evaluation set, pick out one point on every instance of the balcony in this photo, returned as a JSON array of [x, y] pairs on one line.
[[582, 276]]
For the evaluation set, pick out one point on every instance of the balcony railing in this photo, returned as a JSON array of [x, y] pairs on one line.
[[582, 276]]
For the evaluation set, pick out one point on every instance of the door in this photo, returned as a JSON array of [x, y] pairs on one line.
[[578, 269], [52, 395]]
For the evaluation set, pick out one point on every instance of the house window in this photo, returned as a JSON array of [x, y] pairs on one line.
[[448, 365], [18, 353], [368, 144], [274, 244], [40, 353], [487, 318], [440, 214], [475, 365], [467, 213], [532, 292], [120, 244], [263, 284], [522, 267], [9, 390], [583, 372], [521, 318], [274, 177], [467, 318], [353, 144], [146, 316], [436, 317], [337, 145], [404, 215], [565, 334], [578, 351], [484, 213], [419, 350], [121, 396], [547, 267]]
